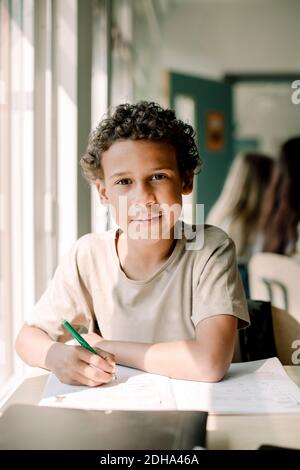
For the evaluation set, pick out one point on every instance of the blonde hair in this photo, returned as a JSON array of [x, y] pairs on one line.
[[238, 207]]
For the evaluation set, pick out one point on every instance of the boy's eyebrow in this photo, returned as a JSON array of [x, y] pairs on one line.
[[122, 173]]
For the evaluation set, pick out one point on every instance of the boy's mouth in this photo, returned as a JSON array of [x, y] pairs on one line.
[[148, 219]]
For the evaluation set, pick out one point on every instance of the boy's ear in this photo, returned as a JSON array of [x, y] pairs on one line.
[[187, 183], [100, 186]]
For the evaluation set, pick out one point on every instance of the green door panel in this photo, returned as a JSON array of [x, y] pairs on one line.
[[213, 102]]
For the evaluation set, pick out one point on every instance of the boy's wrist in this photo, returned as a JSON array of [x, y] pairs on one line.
[[105, 345], [92, 338], [51, 355]]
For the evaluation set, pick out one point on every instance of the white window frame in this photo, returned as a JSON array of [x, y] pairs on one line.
[[44, 147], [100, 99]]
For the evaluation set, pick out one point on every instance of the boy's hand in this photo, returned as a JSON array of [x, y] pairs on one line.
[[77, 366]]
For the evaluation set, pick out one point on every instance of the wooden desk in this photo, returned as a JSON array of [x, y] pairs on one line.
[[223, 431]]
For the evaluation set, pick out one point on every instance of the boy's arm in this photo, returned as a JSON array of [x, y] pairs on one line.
[[71, 364], [32, 345], [205, 358]]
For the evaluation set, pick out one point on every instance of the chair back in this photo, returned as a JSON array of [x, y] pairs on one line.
[[287, 337], [271, 334], [276, 278]]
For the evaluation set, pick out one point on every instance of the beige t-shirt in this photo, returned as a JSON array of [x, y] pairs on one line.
[[200, 279]]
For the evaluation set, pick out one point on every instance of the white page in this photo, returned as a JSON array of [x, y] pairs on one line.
[[133, 390], [249, 387]]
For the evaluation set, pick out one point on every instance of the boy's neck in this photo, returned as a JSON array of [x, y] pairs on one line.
[[141, 258]]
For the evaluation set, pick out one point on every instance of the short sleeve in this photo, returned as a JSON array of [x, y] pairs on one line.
[[66, 298], [219, 289]]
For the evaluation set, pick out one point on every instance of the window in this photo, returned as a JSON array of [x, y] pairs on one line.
[[38, 159], [16, 184]]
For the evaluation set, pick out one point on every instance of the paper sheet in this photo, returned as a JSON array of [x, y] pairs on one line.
[[133, 390], [250, 387]]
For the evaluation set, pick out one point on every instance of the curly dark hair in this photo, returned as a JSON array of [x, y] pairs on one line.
[[141, 121]]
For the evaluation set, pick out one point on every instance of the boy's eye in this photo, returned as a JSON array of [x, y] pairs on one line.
[[158, 176], [123, 181]]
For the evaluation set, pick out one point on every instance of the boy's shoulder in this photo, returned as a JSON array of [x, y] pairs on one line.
[[208, 244], [92, 242], [205, 237], [91, 238]]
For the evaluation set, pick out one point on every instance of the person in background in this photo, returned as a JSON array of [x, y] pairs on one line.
[[238, 207], [280, 217]]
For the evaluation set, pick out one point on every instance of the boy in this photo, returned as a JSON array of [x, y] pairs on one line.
[[160, 306]]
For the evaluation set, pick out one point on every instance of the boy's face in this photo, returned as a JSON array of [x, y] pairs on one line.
[[143, 186]]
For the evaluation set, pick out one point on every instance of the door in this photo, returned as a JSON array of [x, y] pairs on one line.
[[213, 124]]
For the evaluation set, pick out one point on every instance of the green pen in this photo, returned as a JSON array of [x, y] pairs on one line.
[[81, 340]]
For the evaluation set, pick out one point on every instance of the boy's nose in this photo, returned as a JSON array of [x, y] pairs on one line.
[[144, 196]]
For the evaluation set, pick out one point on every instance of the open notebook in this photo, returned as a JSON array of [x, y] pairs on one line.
[[251, 387]]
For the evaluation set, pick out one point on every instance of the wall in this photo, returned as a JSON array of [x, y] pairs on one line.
[[265, 112], [210, 38], [215, 37]]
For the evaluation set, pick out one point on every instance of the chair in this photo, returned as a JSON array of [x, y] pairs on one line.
[[275, 278], [273, 332], [287, 336]]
